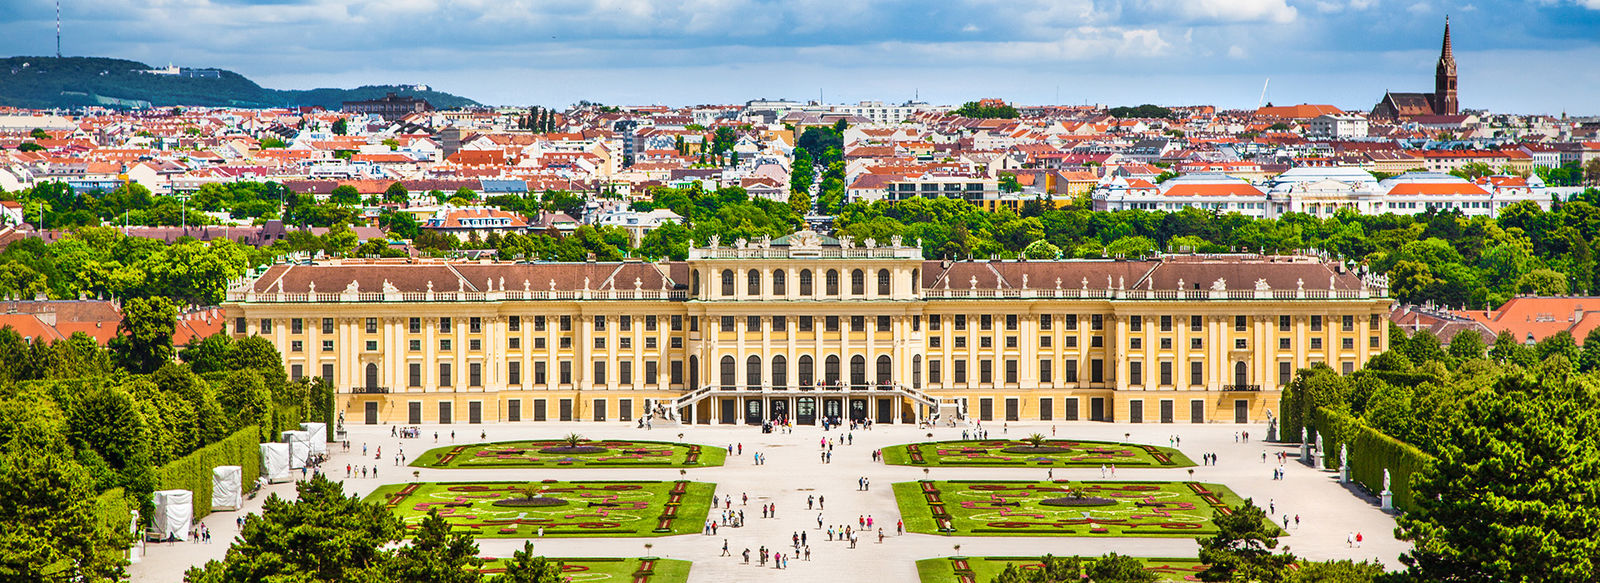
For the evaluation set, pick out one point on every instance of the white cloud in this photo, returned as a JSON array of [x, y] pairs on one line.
[[1236, 52], [1229, 10]]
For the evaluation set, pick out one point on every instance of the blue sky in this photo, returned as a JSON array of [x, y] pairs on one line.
[[1532, 56]]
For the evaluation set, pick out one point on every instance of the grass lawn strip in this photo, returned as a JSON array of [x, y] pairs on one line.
[[1060, 453], [1024, 508], [610, 570], [985, 569], [567, 509], [617, 453]]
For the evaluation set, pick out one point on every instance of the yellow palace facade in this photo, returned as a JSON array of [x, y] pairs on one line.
[[807, 327]]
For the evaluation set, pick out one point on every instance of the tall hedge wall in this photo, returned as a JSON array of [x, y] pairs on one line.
[[1370, 453], [193, 472], [112, 511]]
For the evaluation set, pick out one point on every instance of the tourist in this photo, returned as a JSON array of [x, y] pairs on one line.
[[1358, 538], [1350, 539], [724, 547], [880, 536], [899, 527], [819, 505], [810, 501], [819, 520]]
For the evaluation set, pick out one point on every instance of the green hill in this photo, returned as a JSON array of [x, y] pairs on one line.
[[49, 82]]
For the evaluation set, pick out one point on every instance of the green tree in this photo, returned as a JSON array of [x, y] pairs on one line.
[[1041, 249], [396, 193], [1543, 282], [1506, 499], [1242, 550], [982, 110], [341, 127], [39, 134], [437, 555], [345, 194], [525, 567], [51, 532], [1345, 571], [322, 536], [144, 340], [1467, 345], [1115, 568]]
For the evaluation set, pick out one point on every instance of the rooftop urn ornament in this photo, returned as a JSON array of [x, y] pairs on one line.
[[974, 282], [314, 287], [1086, 284], [1180, 284], [354, 287], [870, 243], [552, 284], [526, 285], [1058, 283], [637, 284], [1300, 284], [430, 286]]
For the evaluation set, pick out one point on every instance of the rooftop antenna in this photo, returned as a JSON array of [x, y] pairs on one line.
[[1263, 100], [58, 29]]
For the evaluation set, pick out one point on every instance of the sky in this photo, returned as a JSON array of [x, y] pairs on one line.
[[1518, 56]]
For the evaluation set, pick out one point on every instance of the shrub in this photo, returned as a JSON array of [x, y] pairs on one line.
[[1371, 452]]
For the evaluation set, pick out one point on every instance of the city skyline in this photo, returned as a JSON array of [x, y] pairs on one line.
[[1523, 57]]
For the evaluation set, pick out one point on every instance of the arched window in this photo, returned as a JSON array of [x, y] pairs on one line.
[[372, 375], [694, 283], [883, 282], [884, 374], [830, 369], [753, 285], [780, 371], [806, 370], [780, 283], [916, 285], [727, 283], [694, 371], [916, 371], [752, 371], [805, 282], [858, 283], [832, 282], [1240, 376], [729, 381], [858, 371]]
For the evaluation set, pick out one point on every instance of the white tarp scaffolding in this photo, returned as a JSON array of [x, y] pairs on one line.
[[275, 462], [319, 437], [225, 487], [299, 448], [174, 509]]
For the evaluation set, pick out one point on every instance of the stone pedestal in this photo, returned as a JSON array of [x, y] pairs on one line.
[[1386, 500], [1344, 474], [1305, 453], [1316, 461]]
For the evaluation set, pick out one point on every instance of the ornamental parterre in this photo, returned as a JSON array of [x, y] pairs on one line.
[[1061, 453], [609, 569], [554, 453], [592, 508], [982, 569], [1142, 509]]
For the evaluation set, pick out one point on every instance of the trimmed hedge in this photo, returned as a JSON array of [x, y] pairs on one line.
[[193, 472], [112, 511], [1371, 452]]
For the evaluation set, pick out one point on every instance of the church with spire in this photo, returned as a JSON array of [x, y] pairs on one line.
[[1442, 101]]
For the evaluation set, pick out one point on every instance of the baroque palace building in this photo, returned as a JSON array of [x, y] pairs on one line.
[[807, 326]]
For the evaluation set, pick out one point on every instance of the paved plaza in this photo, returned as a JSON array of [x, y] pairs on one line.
[[793, 471]]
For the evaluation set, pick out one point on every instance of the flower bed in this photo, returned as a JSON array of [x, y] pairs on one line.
[[1066, 453], [980, 507], [554, 453], [582, 508]]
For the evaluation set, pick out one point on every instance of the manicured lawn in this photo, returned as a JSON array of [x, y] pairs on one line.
[[609, 570], [570, 509], [1022, 508], [1059, 453], [552, 453], [984, 569]]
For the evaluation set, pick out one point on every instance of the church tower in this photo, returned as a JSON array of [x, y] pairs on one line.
[[1444, 78]]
